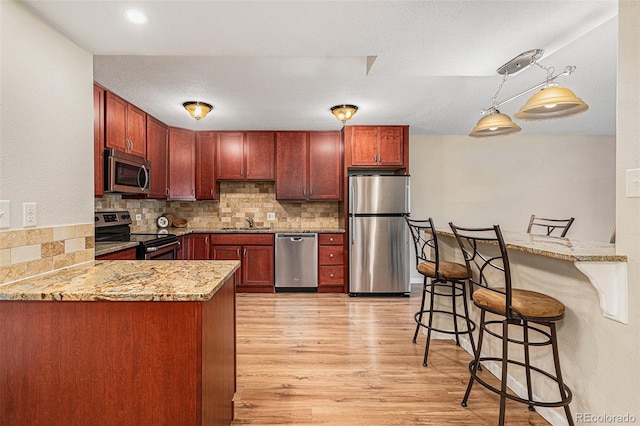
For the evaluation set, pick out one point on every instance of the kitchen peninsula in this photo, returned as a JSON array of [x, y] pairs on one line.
[[127, 342]]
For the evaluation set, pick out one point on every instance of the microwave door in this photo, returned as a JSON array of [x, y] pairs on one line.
[[127, 176]]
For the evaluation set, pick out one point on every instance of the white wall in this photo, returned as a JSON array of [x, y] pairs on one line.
[[503, 180], [46, 119]]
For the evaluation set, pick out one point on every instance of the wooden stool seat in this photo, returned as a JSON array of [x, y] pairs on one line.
[[527, 304], [448, 270]]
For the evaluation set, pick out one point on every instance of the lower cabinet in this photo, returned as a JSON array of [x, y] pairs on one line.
[[330, 263], [254, 251], [126, 254]]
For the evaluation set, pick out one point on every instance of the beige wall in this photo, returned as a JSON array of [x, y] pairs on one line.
[[46, 145]]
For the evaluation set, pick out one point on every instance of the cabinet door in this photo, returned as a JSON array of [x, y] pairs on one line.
[[257, 268], [182, 154], [325, 166], [291, 165], [157, 150], [230, 156], [260, 155], [115, 122], [136, 130], [221, 252], [199, 247], [98, 140], [390, 146], [205, 166], [184, 251]]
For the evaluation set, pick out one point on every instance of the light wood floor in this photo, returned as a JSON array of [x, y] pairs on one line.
[[336, 360]]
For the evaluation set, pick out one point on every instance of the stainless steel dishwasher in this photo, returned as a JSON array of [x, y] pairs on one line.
[[296, 262]]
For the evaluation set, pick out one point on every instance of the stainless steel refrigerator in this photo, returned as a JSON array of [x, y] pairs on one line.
[[379, 254]]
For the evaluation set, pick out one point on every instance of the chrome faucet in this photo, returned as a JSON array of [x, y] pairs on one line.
[[250, 220]]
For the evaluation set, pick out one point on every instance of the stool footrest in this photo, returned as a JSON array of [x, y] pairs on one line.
[[561, 403], [439, 330]]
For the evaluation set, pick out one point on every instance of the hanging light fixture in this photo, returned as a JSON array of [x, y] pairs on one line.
[[344, 112], [550, 102], [197, 109]]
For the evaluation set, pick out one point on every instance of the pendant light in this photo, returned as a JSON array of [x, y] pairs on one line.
[[197, 109], [550, 102], [494, 124]]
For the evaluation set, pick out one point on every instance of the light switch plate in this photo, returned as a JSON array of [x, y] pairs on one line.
[[5, 214], [271, 216], [633, 183], [138, 216]]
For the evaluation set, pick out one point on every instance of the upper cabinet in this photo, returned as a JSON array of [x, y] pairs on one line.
[[308, 166], [98, 140], [206, 188], [377, 146], [158, 154], [182, 158], [125, 126], [246, 156]]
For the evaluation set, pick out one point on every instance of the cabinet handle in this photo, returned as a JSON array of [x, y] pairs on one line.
[[331, 275], [330, 254], [206, 240], [238, 252], [311, 193], [167, 191], [241, 172], [211, 192], [192, 191], [331, 239], [304, 192], [375, 158], [244, 252]]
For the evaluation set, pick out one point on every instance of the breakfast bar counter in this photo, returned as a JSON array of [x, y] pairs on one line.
[[120, 342], [590, 279]]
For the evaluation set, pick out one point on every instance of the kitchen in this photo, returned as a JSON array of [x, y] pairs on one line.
[[64, 164]]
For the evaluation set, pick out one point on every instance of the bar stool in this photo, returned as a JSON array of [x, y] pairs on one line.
[[550, 225], [518, 308], [447, 279]]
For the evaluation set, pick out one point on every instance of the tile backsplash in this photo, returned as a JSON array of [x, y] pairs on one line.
[[238, 201], [28, 252]]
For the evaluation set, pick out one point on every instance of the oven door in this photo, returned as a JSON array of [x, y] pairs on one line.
[[165, 252]]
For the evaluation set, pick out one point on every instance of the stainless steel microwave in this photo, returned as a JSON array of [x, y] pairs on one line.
[[126, 173]]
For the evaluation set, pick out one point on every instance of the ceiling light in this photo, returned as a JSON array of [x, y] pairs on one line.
[[135, 16], [494, 124], [550, 102], [197, 109], [345, 112]]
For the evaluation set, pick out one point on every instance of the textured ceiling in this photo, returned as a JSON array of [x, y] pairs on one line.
[[282, 64]]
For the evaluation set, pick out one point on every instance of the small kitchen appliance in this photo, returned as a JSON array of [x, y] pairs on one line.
[[116, 226]]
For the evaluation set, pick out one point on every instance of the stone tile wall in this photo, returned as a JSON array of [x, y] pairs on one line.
[[28, 252], [238, 201]]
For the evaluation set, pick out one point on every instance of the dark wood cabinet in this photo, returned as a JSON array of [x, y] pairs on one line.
[[125, 126], [291, 165], [325, 166], [157, 153], [98, 140], [256, 255], [331, 263], [308, 165], [245, 156], [377, 146], [182, 156], [184, 250], [126, 254], [206, 188], [199, 247]]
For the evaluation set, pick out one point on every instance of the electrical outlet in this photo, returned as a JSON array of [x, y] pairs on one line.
[[138, 216], [271, 216], [29, 214], [5, 215]]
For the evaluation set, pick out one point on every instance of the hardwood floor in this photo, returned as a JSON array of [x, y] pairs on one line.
[[336, 360]]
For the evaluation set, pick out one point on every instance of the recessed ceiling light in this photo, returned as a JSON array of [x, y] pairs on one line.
[[135, 16]]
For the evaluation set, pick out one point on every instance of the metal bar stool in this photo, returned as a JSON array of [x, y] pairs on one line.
[[527, 310], [441, 278], [550, 225]]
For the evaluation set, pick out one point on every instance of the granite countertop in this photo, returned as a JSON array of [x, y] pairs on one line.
[[126, 280], [245, 230], [106, 247], [558, 247]]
